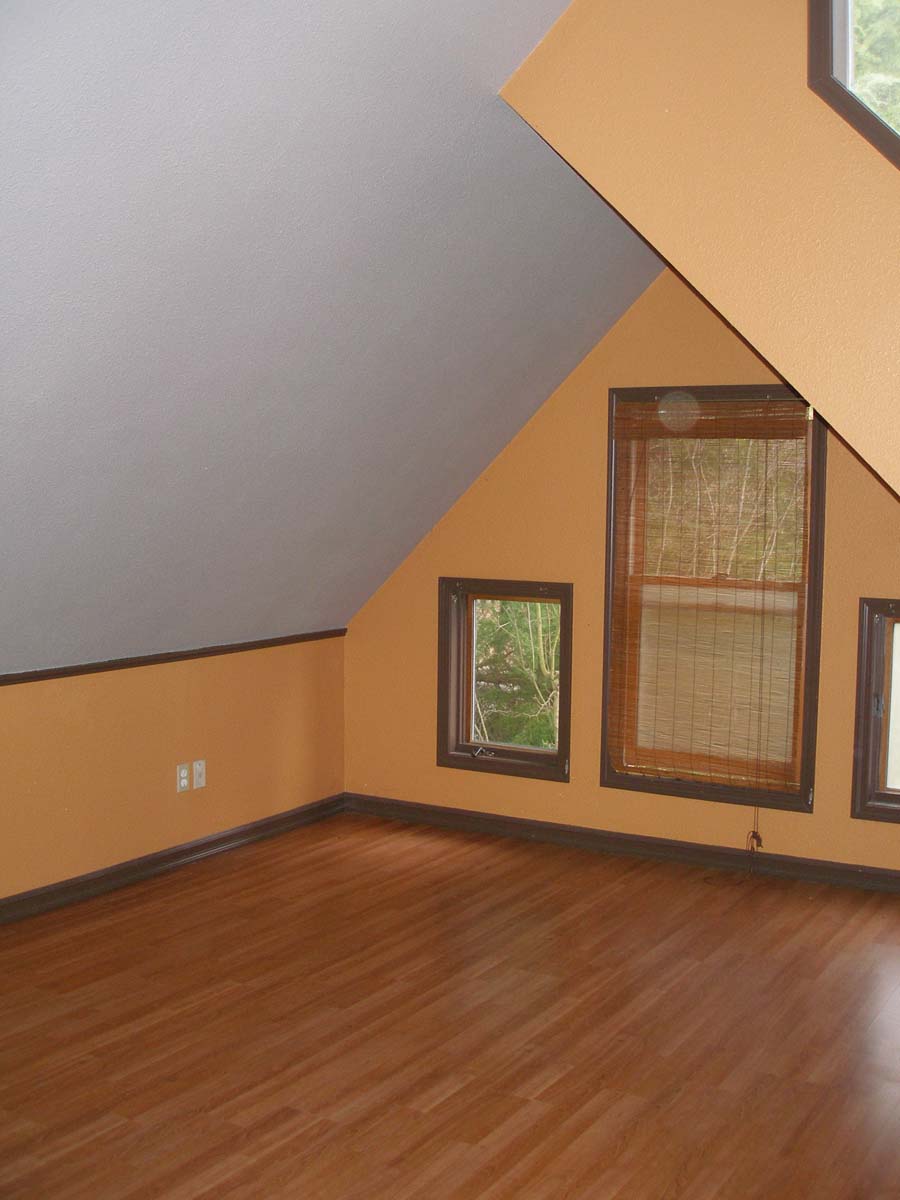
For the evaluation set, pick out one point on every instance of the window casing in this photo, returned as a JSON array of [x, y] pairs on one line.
[[464, 738], [876, 743], [870, 102], [713, 594]]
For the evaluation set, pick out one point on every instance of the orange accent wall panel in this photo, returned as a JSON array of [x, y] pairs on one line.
[[696, 123], [539, 512], [87, 763]]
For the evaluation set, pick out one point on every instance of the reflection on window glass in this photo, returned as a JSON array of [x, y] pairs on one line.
[[868, 62], [892, 711], [515, 673]]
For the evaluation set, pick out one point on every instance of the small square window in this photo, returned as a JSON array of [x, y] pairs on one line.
[[876, 746], [504, 676]]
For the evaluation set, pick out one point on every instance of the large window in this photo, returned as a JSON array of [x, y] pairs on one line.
[[854, 64], [876, 747], [713, 594], [504, 676]]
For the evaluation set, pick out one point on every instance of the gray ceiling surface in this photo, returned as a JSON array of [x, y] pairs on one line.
[[280, 278]]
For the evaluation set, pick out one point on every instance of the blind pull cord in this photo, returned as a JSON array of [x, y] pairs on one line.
[[754, 840]]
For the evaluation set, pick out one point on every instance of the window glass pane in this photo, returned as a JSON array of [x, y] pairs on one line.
[[515, 673], [867, 54], [891, 709]]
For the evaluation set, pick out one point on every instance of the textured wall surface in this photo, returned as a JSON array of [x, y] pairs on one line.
[[547, 493], [87, 764], [278, 279], [696, 123]]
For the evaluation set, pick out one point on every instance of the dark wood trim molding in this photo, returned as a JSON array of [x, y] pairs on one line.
[[729, 858], [152, 660], [871, 801], [822, 80], [108, 879]]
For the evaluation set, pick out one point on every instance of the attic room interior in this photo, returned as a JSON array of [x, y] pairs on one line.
[[450, 472]]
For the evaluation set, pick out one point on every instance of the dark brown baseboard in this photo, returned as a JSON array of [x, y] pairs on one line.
[[810, 870], [727, 858], [108, 879]]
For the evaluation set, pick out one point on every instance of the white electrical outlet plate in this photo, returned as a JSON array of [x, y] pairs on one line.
[[199, 772], [183, 777]]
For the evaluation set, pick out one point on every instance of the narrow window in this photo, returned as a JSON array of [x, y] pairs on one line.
[[854, 65], [713, 594], [504, 676], [876, 746]]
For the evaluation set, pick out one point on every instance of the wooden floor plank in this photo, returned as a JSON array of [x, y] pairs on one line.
[[361, 1009]]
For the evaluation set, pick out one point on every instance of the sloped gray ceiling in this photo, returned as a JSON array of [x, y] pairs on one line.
[[281, 277]]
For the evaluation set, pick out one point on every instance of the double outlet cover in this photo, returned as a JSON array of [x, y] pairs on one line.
[[190, 775]]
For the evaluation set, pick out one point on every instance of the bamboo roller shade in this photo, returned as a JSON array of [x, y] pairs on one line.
[[710, 578]]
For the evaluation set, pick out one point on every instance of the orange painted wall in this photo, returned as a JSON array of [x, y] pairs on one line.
[[539, 512], [88, 762], [695, 122]]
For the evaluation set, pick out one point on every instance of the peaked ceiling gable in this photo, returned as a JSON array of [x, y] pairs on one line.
[[281, 280]]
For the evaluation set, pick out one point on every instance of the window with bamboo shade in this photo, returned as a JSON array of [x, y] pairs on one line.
[[716, 510]]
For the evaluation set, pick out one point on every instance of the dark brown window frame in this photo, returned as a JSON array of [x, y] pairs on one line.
[[454, 748], [824, 83], [722, 793], [870, 801]]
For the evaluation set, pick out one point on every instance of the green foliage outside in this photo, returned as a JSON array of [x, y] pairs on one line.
[[876, 39], [516, 673]]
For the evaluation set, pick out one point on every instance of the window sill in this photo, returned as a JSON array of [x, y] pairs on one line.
[[719, 793], [538, 766], [879, 806]]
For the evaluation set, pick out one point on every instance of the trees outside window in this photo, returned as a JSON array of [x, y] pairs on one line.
[[516, 660], [504, 676], [873, 72]]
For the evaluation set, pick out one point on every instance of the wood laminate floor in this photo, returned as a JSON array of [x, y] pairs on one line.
[[361, 1009]]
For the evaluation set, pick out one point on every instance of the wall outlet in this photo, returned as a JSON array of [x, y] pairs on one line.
[[183, 777], [199, 772]]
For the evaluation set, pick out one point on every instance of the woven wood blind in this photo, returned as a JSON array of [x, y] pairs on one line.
[[710, 580]]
